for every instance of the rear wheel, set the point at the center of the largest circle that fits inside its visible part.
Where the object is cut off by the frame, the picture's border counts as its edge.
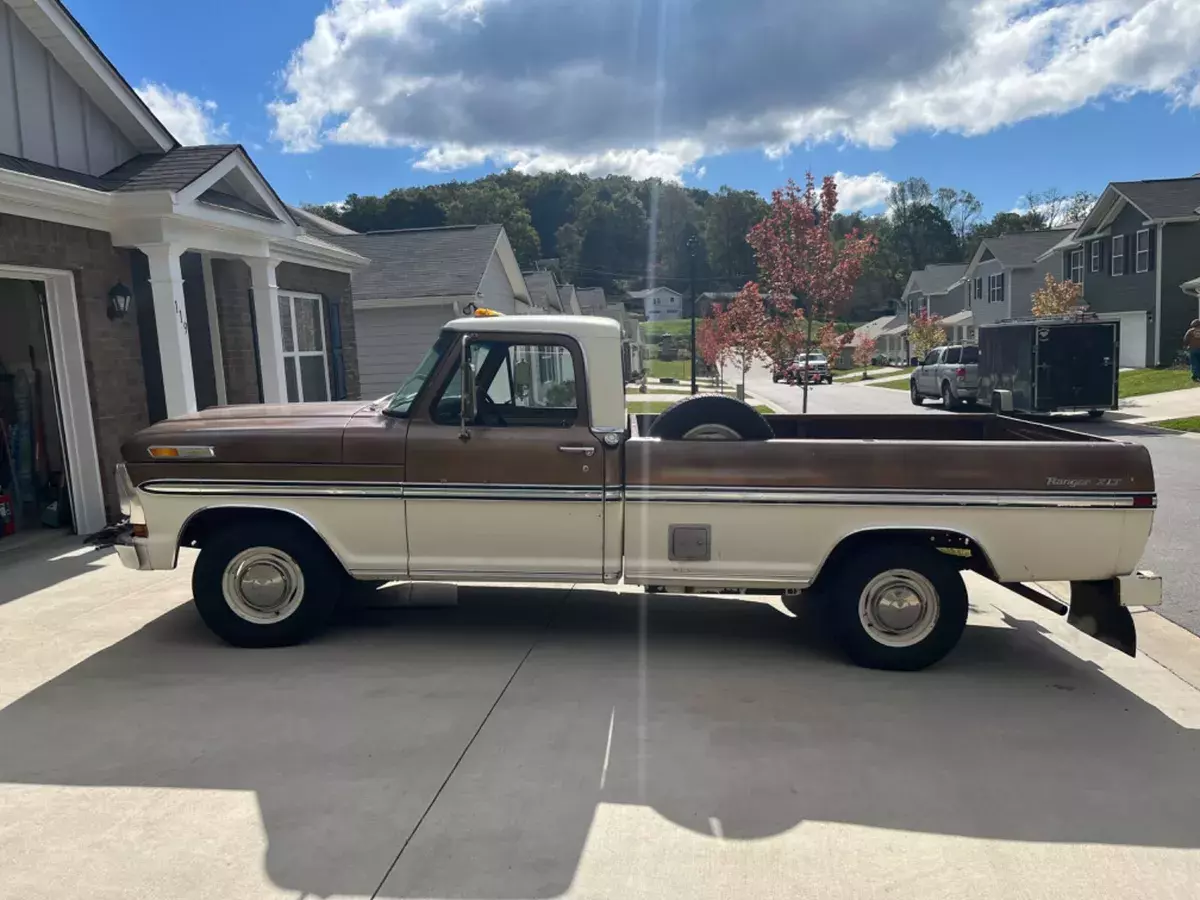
(1095, 413)
(266, 584)
(914, 395)
(897, 606)
(948, 401)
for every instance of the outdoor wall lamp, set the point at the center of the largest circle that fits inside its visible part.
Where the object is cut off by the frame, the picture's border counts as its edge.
(119, 298)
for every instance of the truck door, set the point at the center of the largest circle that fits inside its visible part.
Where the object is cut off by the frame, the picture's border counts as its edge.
(519, 489)
(927, 380)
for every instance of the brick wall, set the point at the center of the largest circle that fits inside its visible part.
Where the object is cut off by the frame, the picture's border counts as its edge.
(112, 349)
(290, 276)
(231, 283)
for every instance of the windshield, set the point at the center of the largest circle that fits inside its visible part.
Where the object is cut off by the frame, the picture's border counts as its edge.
(402, 400)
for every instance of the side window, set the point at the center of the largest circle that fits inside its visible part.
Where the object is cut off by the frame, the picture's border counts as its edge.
(932, 358)
(516, 384)
(953, 355)
(544, 378)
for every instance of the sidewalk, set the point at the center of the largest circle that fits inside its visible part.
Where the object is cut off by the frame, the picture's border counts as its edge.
(1150, 408)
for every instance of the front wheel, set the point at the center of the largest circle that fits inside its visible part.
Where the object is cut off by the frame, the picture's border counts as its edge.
(1095, 413)
(914, 395)
(897, 606)
(266, 584)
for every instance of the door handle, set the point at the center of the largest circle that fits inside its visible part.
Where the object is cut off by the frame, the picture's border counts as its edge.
(570, 448)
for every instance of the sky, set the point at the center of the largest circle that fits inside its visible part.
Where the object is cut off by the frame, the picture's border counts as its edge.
(998, 97)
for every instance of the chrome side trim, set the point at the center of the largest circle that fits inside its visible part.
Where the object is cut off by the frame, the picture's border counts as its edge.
(385, 490)
(818, 497)
(500, 492)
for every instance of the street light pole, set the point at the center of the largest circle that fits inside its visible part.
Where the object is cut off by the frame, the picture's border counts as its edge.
(691, 244)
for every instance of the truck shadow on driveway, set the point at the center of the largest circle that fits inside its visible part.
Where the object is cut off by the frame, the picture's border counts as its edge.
(722, 715)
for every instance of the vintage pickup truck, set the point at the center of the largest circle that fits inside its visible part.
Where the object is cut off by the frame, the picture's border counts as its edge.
(509, 457)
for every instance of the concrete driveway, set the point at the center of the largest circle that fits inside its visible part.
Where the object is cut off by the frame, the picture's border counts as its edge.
(550, 742)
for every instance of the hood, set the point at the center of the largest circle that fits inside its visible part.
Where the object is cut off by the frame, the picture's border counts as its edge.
(259, 432)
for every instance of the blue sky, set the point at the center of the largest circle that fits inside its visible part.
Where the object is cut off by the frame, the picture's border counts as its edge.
(995, 96)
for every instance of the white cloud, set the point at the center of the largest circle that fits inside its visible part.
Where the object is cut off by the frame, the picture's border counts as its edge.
(189, 119)
(658, 84)
(862, 192)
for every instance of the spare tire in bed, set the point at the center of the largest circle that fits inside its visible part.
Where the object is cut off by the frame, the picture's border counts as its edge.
(711, 417)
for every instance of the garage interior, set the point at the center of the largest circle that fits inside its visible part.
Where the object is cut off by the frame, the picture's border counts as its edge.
(33, 484)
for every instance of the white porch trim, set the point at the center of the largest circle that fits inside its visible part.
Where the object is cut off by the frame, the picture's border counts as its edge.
(73, 396)
(170, 322)
(214, 330)
(270, 332)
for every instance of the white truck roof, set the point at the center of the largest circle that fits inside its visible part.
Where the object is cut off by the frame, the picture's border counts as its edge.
(583, 326)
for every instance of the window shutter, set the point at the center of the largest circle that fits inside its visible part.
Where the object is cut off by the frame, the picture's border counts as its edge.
(1153, 245)
(337, 361)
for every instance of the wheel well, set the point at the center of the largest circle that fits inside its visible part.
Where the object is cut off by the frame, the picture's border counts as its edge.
(206, 522)
(960, 548)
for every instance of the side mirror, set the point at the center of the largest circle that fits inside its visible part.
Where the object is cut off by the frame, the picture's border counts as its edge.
(467, 387)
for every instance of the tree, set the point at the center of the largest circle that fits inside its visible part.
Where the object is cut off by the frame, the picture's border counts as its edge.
(962, 211)
(1056, 298)
(785, 339)
(486, 203)
(744, 327)
(864, 353)
(1058, 209)
(831, 341)
(796, 251)
(924, 333)
(728, 217)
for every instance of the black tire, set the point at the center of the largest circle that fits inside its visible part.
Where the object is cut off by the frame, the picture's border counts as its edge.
(324, 580)
(679, 420)
(913, 394)
(1095, 413)
(845, 589)
(948, 401)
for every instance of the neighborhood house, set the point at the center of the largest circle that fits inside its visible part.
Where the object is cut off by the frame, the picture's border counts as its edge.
(139, 279)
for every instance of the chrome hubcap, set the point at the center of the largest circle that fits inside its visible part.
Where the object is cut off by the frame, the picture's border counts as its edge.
(898, 608)
(263, 585)
(712, 432)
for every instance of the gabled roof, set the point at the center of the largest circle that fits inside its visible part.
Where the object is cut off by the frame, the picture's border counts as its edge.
(1165, 198)
(421, 262)
(871, 329)
(317, 224)
(591, 300)
(1015, 251)
(543, 290)
(171, 171)
(938, 278)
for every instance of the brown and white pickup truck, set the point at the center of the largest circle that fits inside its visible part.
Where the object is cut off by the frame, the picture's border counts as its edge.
(509, 457)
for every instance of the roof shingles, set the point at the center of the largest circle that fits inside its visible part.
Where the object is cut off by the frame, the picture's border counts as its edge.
(1168, 198)
(420, 262)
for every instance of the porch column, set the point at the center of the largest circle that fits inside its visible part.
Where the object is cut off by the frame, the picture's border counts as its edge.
(266, 319)
(214, 329)
(171, 325)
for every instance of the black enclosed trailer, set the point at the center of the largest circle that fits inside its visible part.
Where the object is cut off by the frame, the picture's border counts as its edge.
(1050, 364)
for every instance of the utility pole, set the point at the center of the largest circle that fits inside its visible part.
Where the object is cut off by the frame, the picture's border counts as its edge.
(692, 245)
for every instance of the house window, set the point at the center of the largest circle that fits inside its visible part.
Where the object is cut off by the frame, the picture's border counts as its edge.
(1141, 251)
(1118, 254)
(996, 288)
(305, 359)
(1077, 266)
(1097, 249)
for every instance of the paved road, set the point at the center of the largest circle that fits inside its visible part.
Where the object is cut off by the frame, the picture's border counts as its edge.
(551, 742)
(1174, 548)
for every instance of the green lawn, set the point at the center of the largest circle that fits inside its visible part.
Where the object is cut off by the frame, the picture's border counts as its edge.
(1153, 381)
(900, 384)
(651, 407)
(677, 368)
(1191, 423)
(856, 374)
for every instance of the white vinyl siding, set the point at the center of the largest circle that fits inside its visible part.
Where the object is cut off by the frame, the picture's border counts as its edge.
(1118, 255)
(392, 342)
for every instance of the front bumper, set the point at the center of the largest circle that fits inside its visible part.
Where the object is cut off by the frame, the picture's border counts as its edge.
(133, 552)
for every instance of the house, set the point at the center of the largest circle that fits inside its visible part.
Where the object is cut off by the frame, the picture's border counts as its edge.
(592, 302)
(872, 330)
(568, 299)
(660, 304)
(417, 281)
(544, 295)
(1134, 255)
(936, 290)
(138, 278)
(1002, 276)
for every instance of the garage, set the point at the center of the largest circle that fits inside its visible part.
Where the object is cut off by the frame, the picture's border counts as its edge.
(34, 495)
(1133, 339)
(393, 341)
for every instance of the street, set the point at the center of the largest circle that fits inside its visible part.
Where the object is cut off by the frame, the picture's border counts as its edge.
(558, 742)
(1172, 548)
